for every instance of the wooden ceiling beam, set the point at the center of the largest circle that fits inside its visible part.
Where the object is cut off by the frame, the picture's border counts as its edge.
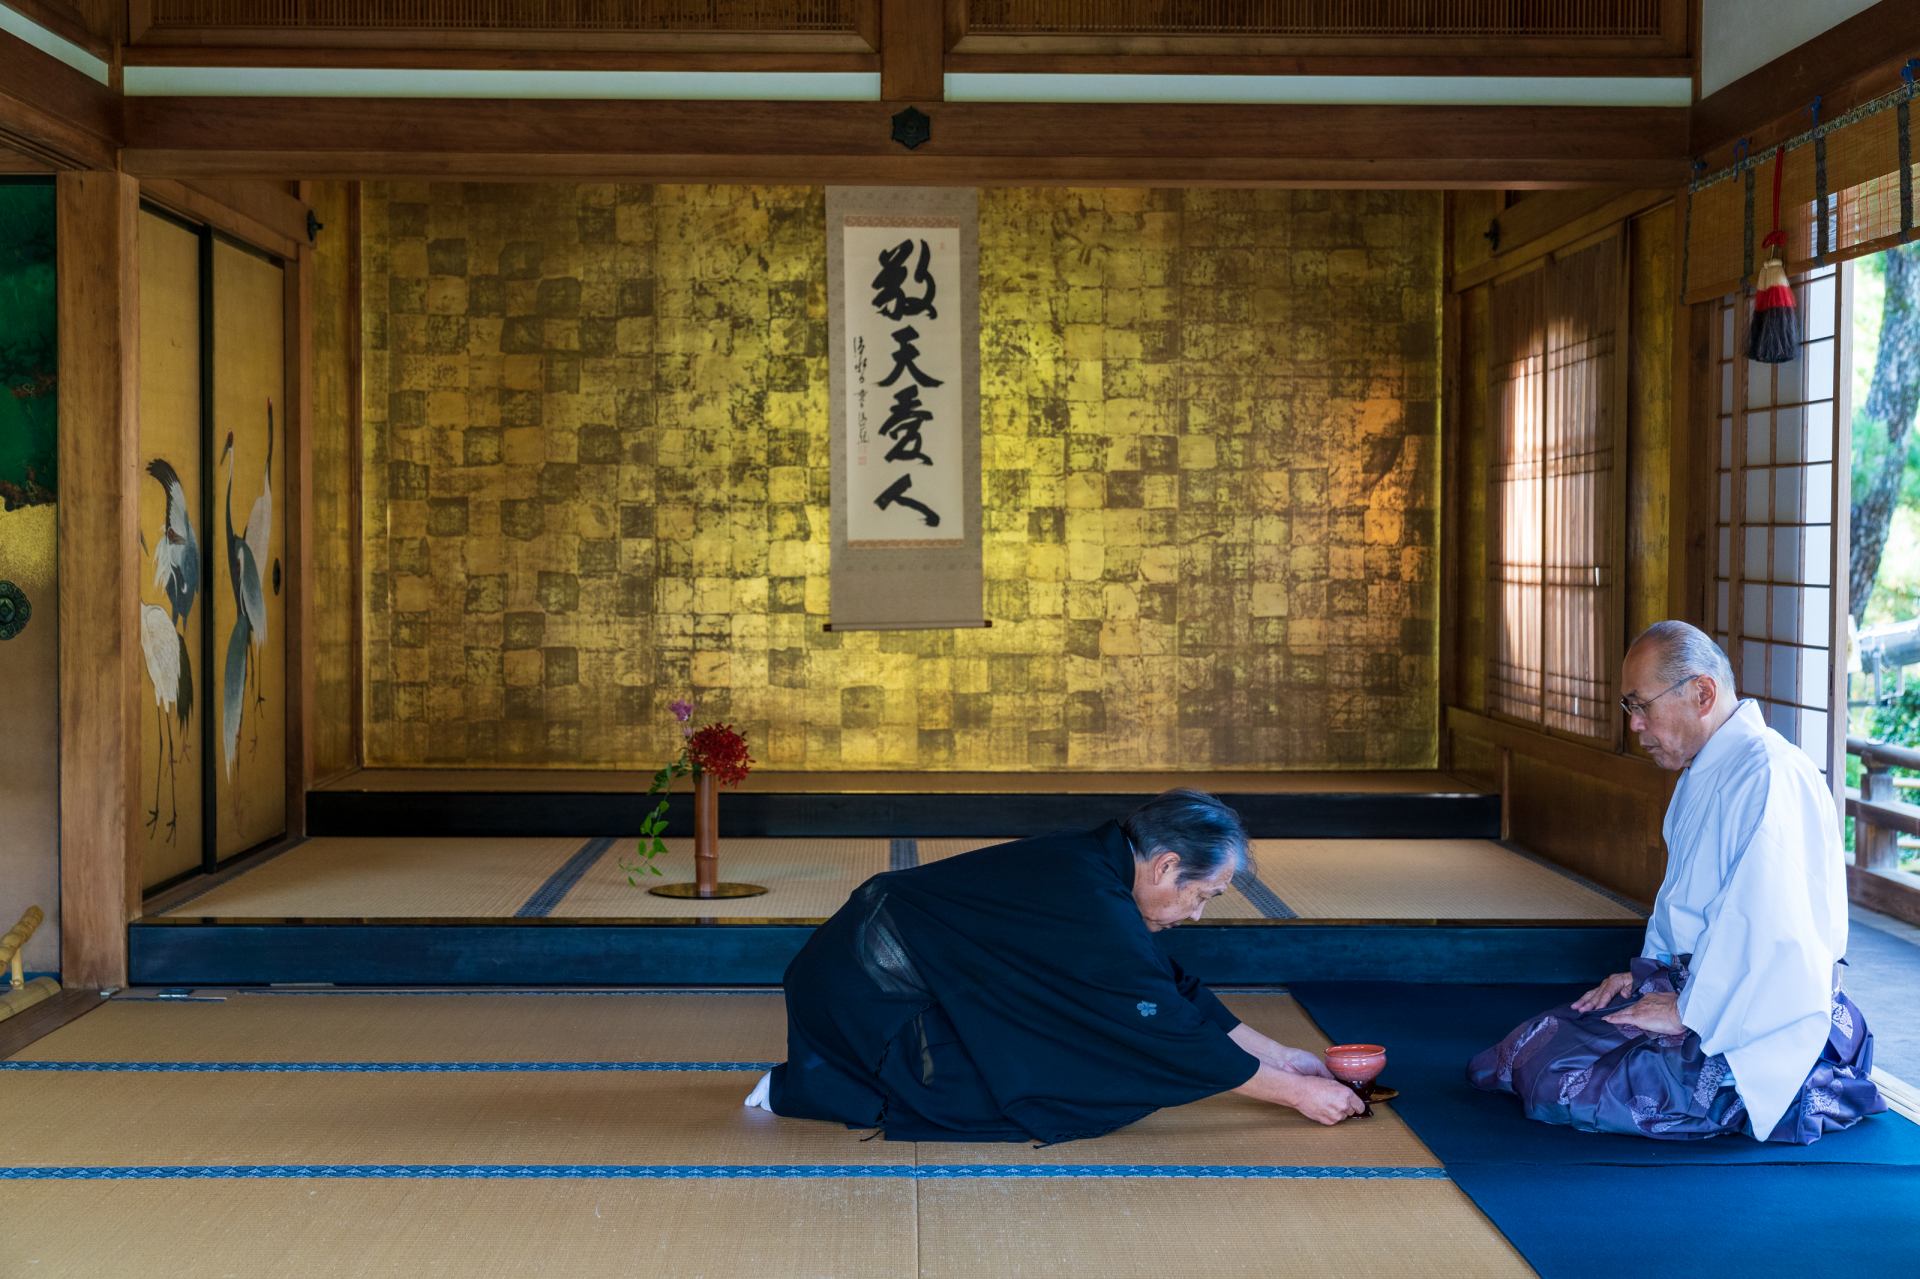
(454, 58)
(52, 113)
(1242, 62)
(971, 143)
(94, 25)
(1846, 65)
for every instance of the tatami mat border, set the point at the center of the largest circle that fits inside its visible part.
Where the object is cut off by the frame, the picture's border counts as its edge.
(903, 854)
(561, 882)
(726, 1172)
(355, 992)
(1264, 899)
(378, 1067)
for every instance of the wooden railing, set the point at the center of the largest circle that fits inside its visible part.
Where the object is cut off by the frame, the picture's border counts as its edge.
(1880, 818)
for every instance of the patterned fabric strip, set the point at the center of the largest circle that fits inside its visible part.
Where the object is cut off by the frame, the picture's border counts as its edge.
(665, 1172)
(377, 1067)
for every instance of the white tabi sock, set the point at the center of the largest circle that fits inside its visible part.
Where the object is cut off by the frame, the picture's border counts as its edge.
(758, 1097)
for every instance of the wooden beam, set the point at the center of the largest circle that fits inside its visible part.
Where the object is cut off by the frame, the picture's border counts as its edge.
(261, 213)
(972, 56)
(52, 113)
(912, 51)
(521, 48)
(851, 142)
(94, 25)
(1553, 221)
(1627, 771)
(463, 58)
(1847, 64)
(97, 232)
(1890, 892)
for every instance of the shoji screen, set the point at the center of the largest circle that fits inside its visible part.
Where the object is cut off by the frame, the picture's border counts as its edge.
(1780, 510)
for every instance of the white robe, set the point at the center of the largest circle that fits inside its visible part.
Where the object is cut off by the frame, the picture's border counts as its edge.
(1756, 893)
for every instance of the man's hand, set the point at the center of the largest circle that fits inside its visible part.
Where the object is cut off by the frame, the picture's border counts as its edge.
(1606, 992)
(1326, 1101)
(1656, 1014)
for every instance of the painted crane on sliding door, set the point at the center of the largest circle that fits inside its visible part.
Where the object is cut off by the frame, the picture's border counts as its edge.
(176, 570)
(246, 551)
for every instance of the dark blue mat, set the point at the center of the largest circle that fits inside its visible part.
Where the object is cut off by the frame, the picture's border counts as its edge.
(1430, 1032)
(1807, 1219)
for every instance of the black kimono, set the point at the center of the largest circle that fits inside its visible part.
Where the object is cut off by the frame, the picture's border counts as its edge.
(1007, 994)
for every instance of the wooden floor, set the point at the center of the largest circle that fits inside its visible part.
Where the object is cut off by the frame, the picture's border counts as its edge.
(602, 1133)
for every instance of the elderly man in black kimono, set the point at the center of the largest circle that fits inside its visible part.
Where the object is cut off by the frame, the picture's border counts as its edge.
(1016, 993)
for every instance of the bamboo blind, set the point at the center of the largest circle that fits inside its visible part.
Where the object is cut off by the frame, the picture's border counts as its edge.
(1861, 154)
(1554, 387)
(1778, 556)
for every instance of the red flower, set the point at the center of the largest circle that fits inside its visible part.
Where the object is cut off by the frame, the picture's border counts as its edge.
(719, 750)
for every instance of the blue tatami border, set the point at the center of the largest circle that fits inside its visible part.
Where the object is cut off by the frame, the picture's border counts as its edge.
(719, 1172)
(377, 1067)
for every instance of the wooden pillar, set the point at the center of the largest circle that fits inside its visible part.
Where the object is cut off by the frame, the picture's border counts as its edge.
(301, 762)
(99, 333)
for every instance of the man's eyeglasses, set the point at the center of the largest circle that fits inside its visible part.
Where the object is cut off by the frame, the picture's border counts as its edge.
(1636, 709)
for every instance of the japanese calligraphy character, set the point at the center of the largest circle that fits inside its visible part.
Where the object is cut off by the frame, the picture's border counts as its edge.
(896, 492)
(889, 298)
(903, 426)
(904, 355)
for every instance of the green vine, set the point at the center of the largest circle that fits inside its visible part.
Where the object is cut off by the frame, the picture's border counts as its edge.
(654, 825)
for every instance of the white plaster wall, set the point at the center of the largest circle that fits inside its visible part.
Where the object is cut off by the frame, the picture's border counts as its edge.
(1738, 36)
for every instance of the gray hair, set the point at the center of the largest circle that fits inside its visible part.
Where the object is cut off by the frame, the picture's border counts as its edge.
(1685, 651)
(1205, 833)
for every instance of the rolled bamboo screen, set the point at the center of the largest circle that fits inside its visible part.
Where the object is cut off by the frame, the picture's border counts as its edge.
(1861, 155)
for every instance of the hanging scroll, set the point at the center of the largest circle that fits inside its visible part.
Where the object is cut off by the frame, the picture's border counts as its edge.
(903, 305)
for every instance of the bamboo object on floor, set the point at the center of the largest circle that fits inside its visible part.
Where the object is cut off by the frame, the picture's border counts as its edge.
(22, 994)
(706, 849)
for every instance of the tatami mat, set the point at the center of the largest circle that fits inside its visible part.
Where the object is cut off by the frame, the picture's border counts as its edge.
(806, 879)
(1422, 879)
(258, 1027)
(811, 878)
(77, 1119)
(1421, 1229)
(400, 1229)
(334, 878)
(482, 1173)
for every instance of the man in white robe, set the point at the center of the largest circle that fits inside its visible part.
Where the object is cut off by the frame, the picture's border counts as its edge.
(1732, 1018)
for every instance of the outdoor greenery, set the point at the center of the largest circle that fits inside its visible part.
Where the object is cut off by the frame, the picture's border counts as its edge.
(1885, 454)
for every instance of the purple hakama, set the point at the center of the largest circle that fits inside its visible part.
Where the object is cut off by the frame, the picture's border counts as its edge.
(1581, 1070)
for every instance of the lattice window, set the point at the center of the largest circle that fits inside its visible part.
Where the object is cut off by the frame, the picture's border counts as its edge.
(1553, 506)
(1779, 587)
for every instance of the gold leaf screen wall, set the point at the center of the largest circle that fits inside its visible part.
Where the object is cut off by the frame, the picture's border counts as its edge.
(178, 687)
(595, 479)
(249, 613)
(331, 422)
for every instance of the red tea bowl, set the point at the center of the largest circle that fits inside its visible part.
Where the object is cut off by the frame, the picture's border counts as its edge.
(1356, 1063)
